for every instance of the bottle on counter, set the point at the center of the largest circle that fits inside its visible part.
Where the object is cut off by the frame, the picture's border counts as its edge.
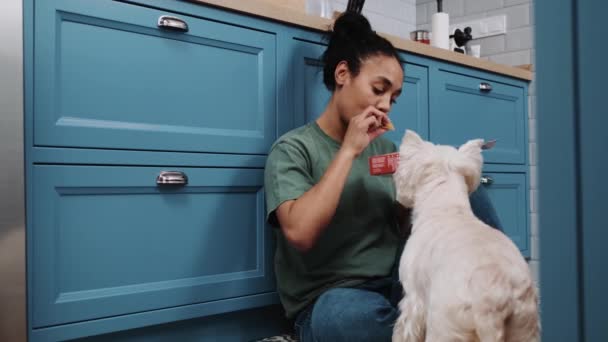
(421, 36)
(440, 26)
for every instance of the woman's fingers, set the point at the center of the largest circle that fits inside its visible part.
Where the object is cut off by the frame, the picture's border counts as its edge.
(383, 120)
(371, 123)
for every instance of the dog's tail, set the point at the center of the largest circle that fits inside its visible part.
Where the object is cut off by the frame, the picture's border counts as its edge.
(493, 302)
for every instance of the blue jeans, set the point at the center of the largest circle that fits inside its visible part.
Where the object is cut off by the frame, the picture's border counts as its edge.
(367, 312)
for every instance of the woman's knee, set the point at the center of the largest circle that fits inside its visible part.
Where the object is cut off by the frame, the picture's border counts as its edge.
(348, 314)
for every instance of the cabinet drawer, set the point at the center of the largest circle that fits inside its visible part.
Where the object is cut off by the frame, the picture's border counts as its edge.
(461, 110)
(108, 77)
(109, 241)
(507, 192)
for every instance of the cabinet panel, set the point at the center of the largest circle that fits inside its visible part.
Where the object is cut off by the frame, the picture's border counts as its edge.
(107, 76)
(310, 96)
(109, 241)
(464, 107)
(507, 191)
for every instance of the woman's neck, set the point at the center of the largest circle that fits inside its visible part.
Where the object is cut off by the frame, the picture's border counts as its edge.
(330, 122)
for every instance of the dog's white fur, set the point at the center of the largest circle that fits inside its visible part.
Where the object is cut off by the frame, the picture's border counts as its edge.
(463, 280)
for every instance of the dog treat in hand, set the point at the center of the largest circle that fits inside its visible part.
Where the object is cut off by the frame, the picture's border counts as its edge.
(383, 164)
(388, 126)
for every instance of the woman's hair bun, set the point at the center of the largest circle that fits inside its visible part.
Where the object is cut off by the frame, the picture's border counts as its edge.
(352, 40)
(352, 25)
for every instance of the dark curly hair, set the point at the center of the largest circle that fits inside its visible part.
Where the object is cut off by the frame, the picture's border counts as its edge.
(352, 40)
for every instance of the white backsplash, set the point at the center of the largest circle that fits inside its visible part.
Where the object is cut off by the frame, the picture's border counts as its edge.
(395, 17)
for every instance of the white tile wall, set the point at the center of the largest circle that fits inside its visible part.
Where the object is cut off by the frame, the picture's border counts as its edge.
(395, 17)
(519, 40)
(518, 57)
(517, 16)
(480, 6)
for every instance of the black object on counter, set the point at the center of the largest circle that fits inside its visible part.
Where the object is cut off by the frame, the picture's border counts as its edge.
(461, 38)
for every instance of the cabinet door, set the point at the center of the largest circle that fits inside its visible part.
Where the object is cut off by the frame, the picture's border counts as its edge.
(465, 107)
(108, 241)
(108, 76)
(507, 191)
(412, 108)
(311, 96)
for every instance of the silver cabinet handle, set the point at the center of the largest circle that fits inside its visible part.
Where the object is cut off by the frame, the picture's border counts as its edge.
(487, 180)
(172, 23)
(171, 178)
(485, 87)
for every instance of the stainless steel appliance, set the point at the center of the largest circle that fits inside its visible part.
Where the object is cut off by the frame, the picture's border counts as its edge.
(12, 194)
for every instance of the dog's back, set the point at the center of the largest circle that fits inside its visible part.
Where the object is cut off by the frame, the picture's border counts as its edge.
(464, 281)
(479, 288)
(504, 307)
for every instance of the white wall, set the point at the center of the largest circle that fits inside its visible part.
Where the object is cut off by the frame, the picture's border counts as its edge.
(395, 17)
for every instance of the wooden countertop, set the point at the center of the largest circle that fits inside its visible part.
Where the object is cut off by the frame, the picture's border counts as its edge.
(266, 9)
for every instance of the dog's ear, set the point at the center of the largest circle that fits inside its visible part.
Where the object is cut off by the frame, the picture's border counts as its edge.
(488, 144)
(411, 139)
(472, 147)
(404, 177)
(471, 162)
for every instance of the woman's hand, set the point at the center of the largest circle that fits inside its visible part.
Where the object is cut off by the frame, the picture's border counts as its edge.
(363, 128)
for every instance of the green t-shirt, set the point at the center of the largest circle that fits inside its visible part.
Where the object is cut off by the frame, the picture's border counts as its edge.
(361, 240)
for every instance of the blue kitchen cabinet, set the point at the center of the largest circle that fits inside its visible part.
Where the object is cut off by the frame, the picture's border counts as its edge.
(113, 98)
(311, 96)
(109, 240)
(483, 105)
(465, 107)
(108, 249)
(109, 76)
(507, 191)
(411, 111)
(241, 325)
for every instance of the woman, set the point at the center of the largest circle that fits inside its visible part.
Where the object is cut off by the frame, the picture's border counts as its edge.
(337, 232)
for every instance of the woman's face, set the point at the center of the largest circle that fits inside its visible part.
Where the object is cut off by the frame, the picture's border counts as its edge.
(378, 84)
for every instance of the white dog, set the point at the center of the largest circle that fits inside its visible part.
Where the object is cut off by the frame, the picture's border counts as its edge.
(463, 280)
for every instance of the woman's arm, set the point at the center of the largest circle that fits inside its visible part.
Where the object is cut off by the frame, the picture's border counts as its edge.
(302, 220)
